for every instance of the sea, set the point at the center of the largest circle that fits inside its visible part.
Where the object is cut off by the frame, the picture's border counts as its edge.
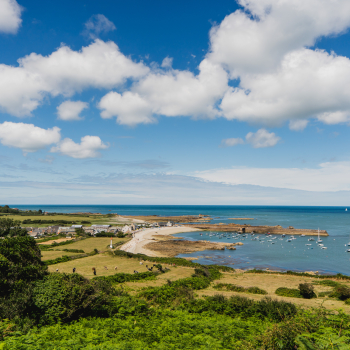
(264, 253)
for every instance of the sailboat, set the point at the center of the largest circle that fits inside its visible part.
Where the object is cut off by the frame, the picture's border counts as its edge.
(319, 240)
(346, 209)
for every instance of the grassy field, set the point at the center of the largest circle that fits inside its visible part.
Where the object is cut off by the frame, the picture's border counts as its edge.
(268, 282)
(94, 219)
(89, 244)
(54, 254)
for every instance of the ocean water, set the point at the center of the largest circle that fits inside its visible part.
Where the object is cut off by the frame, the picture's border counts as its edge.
(282, 255)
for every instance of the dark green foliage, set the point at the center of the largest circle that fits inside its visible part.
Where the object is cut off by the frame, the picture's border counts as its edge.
(20, 261)
(104, 234)
(307, 290)
(234, 288)
(73, 250)
(324, 294)
(20, 267)
(128, 277)
(328, 283)
(288, 292)
(11, 228)
(48, 222)
(341, 293)
(66, 297)
(121, 235)
(7, 209)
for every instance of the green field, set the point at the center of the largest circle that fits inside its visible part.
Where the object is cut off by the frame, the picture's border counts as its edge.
(77, 219)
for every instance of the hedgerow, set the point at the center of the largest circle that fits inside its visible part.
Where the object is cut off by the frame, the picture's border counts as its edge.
(288, 292)
(234, 288)
(128, 277)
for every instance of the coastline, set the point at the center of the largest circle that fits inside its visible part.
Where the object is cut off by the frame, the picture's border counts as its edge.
(141, 238)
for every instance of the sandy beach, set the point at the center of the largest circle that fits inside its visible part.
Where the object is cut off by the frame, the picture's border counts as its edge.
(143, 237)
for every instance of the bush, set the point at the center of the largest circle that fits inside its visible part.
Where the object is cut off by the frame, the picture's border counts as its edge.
(128, 277)
(288, 292)
(234, 288)
(341, 293)
(307, 290)
(103, 234)
(66, 297)
(328, 283)
(120, 235)
(73, 250)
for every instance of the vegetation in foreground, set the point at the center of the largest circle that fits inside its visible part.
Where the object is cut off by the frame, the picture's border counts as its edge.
(41, 310)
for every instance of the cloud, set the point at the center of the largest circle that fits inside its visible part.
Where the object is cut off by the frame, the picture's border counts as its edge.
(307, 84)
(64, 72)
(231, 142)
(27, 137)
(10, 16)
(256, 39)
(70, 110)
(329, 176)
(170, 93)
(147, 164)
(87, 148)
(98, 24)
(298, 125)
(129, 108)
(262, 138)
(167, 62)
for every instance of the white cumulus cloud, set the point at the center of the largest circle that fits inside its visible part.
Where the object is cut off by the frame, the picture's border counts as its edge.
(89, 147)
(298, 125)
(129, 108)
(262, 138)
(170, 93)
(65, 71)
(10, 16)
(307, 84)
(27, 137)
(256, 39)
(70, 110)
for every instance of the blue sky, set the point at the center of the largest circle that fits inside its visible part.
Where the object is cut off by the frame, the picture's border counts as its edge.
(177, 102)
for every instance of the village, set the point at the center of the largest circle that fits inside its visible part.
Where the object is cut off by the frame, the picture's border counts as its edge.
(93, 230)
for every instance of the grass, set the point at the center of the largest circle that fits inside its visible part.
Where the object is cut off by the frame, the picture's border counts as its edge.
(94, 219)
(89, 244)
(54, 254)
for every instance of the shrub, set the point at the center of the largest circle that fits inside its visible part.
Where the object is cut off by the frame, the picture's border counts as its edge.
(234, 288)
(73, 250)
(120, 235)
(66, 297)
(288, 292)
(328, 283)
(128, 277)
(324, 294)
(341, 293)
(307, 290)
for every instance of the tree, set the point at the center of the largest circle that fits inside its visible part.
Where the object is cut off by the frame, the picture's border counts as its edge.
(9, 227)
(20, 268)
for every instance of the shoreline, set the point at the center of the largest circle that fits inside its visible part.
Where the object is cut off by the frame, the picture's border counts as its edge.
(141, 238)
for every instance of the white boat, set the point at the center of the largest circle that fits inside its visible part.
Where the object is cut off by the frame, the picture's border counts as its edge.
(348, 250)
(311, 239)
(308, 244)
(346, 209)
(324, 248)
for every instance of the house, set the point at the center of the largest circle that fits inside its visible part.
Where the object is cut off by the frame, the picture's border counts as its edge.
(77, 226)
(162, 224)
(66, 230)
(170, 223)
(53, 229)
(126, 229)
